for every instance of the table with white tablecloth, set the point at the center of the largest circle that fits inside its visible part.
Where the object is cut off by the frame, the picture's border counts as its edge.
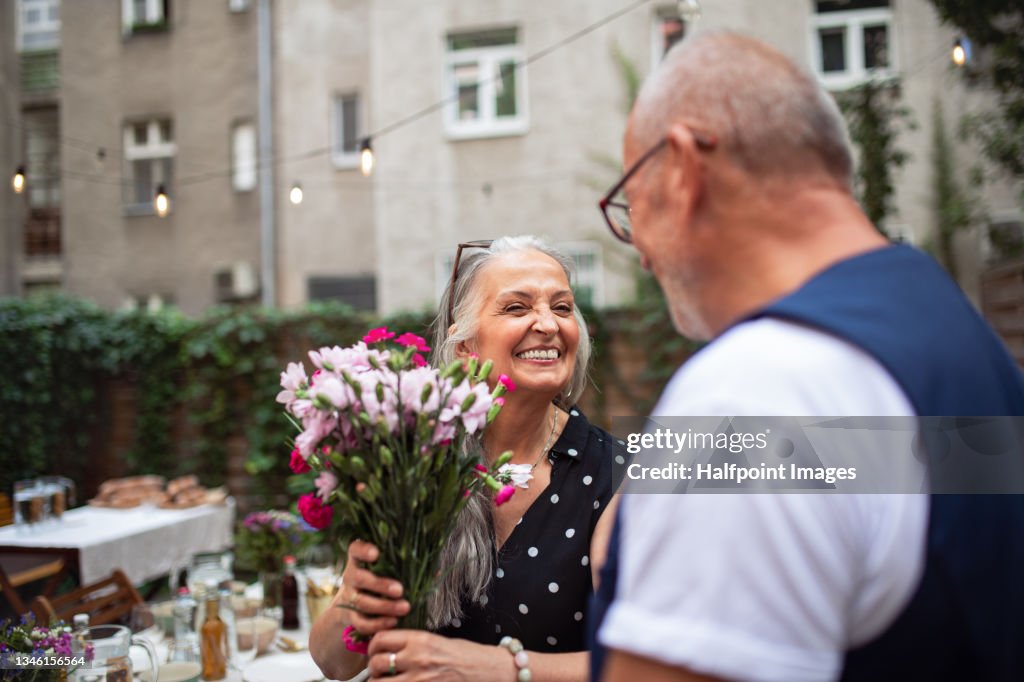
(145, 542)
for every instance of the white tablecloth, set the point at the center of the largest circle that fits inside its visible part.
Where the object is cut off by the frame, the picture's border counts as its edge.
(145, 542)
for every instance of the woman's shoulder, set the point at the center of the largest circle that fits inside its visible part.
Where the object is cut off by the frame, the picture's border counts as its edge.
(595, 451)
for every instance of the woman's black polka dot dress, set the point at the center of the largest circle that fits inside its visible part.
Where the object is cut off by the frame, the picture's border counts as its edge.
(542, 582)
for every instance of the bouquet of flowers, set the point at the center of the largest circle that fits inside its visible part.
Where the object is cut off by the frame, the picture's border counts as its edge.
(264, 538)
(385, 434)
(25, 648)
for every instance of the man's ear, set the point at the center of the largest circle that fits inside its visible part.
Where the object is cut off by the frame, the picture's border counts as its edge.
(685, 176)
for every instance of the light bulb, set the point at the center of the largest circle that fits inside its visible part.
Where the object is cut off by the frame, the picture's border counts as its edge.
(161, 203)
(689, 10)
(295, 195)
(366, 157)
(959, 54)
(18, 180)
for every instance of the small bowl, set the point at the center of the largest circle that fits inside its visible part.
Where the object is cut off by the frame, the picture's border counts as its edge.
(245, 607)
(265, 630)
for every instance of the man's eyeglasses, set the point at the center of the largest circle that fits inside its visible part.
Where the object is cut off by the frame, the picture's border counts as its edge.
(477, 244)
(614, 206)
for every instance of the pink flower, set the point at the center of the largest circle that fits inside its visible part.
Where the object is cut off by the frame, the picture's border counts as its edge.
(325, 484)
(414, 383)
(378, 334)
(503, 496)
(358, 646)
(317, 427)
(507, 382)
(339, 394)
(409, 339)
(500, 402)
(418, 360)
(292, 379)
(315, 512)
(480, 467)
(298, 463)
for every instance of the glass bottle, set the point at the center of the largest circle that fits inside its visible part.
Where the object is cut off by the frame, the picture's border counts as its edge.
(289, 596)
(214, 643)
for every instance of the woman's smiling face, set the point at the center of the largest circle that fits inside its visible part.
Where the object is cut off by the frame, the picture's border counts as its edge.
(525, 322)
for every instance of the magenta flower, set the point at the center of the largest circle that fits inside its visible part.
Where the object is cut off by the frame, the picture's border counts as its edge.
(352, 644)
(298, 463)
(504, 495)
(410, 340)
(507, 382)
(314, 511)
(418, 360)
(378, 334)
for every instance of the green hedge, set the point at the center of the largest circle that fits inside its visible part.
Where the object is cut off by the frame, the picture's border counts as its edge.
(220, 371)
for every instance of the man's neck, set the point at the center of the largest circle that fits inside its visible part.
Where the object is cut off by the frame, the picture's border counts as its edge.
(777, 245)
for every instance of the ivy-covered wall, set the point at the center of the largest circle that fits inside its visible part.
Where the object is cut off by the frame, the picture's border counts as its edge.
(92, 394)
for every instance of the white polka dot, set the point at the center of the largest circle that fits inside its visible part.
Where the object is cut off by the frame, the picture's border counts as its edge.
(457, 623)
(597, 503)
(570, 532)
(621, 442)
(552, 587)
(573, 452)
(483, 600)
(497, 628)
(585, 561)
(552, 641)
(578, 616)
(500, 573)
(532, 551)
(554, 499)
(620, 459)
(519, 521)
(587, 480)
(523, 609)
(575, 413)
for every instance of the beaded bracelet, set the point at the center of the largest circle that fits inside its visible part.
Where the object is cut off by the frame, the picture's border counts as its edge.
(519, 657)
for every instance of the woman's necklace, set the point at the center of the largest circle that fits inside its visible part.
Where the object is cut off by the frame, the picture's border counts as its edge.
(520, 475)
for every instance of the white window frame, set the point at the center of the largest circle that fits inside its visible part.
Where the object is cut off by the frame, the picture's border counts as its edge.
(488, 60)
(154, 149)
(154, 15)
(853, 23)
(243, 156)
(44, 27)
(340, 158)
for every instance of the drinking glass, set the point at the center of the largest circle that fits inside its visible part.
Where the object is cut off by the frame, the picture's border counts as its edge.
(246, 642)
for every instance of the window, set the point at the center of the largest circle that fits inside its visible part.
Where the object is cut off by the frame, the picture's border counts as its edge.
(144, 16)
(345, 131)
(852, 40)
(149, 162)
(38, 25)
(486, 89)
(42, 153)
(359, 292)
(243, 157)
(668, 29)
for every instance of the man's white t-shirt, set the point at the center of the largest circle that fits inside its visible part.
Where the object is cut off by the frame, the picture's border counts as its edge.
(763, 586)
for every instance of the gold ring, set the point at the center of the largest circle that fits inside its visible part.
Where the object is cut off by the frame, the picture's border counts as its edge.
(392, 664)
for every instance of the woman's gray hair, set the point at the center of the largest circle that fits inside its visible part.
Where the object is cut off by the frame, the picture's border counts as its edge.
(469, 558)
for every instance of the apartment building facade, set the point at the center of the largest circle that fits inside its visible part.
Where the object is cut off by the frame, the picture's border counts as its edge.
(467, 145)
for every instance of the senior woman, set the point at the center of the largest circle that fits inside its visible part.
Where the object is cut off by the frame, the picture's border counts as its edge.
(525, 569)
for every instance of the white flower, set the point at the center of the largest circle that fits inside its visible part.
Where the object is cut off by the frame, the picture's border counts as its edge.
(518, 475)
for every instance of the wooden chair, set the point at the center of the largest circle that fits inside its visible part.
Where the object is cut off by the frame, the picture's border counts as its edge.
(22, 568)
(106, 601)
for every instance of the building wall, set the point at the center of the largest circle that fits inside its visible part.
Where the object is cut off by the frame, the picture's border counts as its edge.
(202, 74)
(321, 49)
(11, 204)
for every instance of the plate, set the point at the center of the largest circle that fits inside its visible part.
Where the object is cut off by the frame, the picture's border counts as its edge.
(283, 668)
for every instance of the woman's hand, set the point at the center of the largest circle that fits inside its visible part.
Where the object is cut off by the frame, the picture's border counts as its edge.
(420, 656)
(374, 603)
